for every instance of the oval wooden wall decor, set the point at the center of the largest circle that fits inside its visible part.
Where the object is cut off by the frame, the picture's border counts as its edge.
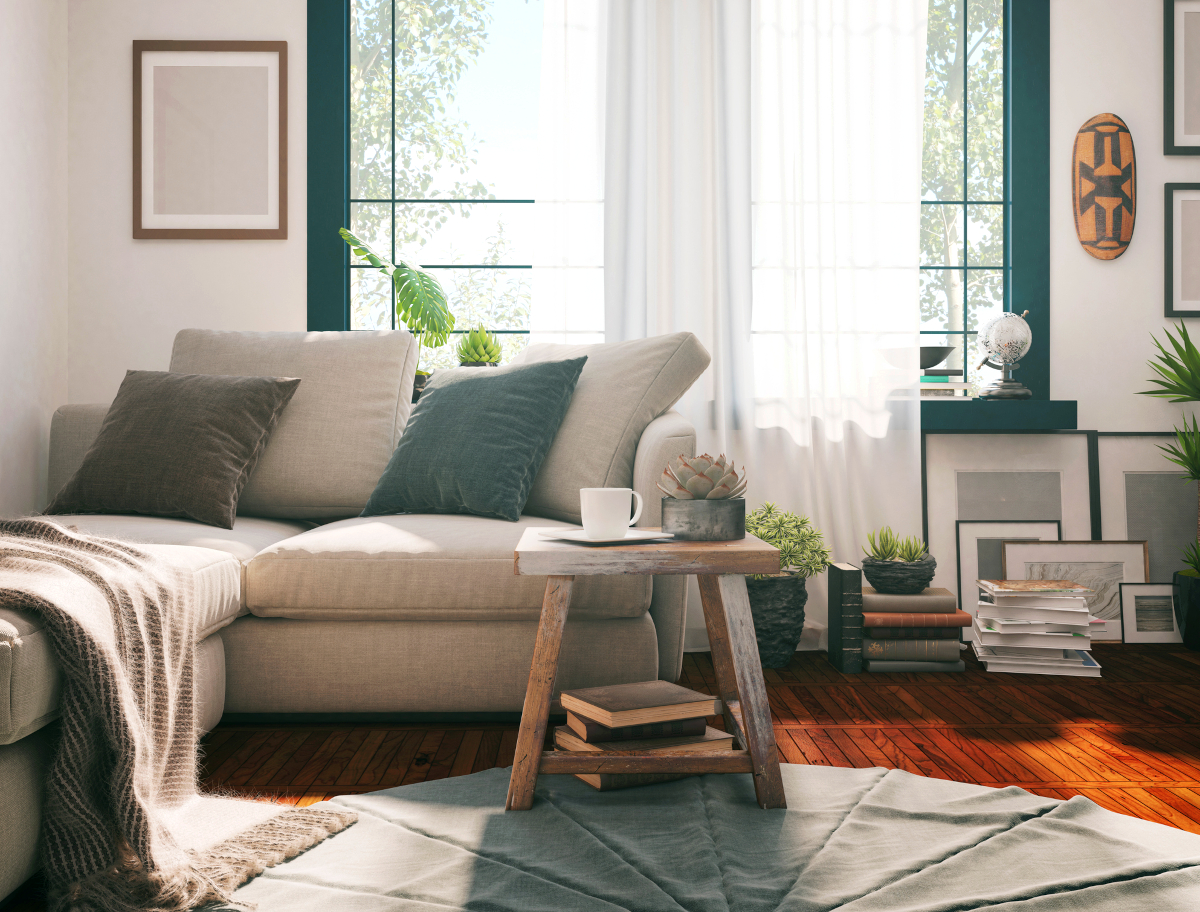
(1104, 186)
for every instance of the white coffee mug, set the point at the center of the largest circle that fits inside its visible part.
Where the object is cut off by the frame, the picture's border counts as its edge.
(606, 512)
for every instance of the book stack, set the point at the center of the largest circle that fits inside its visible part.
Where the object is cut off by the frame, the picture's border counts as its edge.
(944, 382)
(912, 632)
(1034, 627)
(648, 716)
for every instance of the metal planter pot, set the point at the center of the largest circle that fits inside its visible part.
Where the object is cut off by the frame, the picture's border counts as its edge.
(777, 604)
(705, 520)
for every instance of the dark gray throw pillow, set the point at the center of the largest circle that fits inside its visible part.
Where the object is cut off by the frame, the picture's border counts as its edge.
(177, 445)
(476, 439)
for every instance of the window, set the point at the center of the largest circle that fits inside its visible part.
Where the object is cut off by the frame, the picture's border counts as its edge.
(442, 152)
(965, 259)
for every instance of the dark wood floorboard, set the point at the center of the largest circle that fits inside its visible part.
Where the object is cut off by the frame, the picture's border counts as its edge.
(1130, 741)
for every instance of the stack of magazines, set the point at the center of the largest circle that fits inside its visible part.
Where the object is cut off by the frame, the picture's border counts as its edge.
(1034, 627)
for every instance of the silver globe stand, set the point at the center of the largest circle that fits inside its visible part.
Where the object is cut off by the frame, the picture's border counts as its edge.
(1006, 387)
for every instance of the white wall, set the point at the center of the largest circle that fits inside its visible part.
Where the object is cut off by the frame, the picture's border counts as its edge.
(128, 298)
(1106, 57)
(33, 242)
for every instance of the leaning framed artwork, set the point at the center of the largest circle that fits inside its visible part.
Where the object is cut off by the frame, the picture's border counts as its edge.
(210, 139)
(1148, 613)
(1099, 565)
(1181, 250)
(979, 550)
(1181, 77)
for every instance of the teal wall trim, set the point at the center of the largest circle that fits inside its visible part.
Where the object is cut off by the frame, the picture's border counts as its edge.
(328, 110)
(1027, 47)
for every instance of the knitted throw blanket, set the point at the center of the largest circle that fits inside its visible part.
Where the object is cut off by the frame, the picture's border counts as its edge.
(124, 827)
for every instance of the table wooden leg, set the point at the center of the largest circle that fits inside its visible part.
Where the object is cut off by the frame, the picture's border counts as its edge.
(536, 712)
(740, 678)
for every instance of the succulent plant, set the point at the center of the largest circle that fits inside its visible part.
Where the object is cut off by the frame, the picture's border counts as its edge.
(886, 545)
(479, 347)
(701, 478)
(801, 545)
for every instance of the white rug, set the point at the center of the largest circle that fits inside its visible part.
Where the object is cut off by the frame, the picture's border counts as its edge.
(855, 840)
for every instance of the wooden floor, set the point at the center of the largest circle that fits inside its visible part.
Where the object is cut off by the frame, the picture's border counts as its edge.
(1130, 741)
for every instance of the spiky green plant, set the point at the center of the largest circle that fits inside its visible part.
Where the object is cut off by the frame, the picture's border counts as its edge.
(1191, 557)
(911, 549)
(479, 347)
(883, 544)
(1185, 453)
(801, 545)
(1179, 371)
(419, 299)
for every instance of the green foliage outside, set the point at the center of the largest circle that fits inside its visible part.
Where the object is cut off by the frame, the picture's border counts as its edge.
(801, 545)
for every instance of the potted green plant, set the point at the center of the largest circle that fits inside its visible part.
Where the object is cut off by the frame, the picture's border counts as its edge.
(897, 566)
(703, 499)
(777, 601)
(1178, 380)
(479, 348)
(419, 300)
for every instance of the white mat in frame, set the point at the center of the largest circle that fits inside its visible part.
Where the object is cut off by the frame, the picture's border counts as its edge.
(1148, 613)
(980, 554)
(1100, 565)
(948, 455)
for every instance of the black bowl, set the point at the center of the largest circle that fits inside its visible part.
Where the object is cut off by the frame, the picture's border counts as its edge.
(933, 355)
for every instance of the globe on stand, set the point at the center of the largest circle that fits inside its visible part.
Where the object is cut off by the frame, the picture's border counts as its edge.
(1006, 339)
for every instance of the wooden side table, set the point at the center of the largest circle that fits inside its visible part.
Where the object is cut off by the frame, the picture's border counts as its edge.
(721, 568)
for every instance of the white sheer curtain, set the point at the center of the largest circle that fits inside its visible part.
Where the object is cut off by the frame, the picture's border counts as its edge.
(762, 190)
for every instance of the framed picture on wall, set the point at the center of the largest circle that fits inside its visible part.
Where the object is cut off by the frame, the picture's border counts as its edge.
(1181, 250)
(979, 550)
(1099, 565)
(1181, 77)
(1148, 613)
(210, 139)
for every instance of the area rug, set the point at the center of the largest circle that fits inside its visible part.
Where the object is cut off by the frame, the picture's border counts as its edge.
(867, 840)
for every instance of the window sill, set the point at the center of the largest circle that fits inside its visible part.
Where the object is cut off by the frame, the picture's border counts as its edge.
(1000, 415)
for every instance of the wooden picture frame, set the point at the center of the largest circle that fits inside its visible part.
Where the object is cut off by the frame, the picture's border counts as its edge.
(1181, 78)
(210, 139)
(1181, 273)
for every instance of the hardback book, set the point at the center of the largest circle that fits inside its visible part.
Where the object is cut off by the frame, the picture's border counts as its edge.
(991, 636)
(916, 619)
(911, 650)
(882, 666)
(607, 782)
(931, 601)
(942, 372)
(1076, 615)
(595, 733)
(618, 705)
(711, 739)
(913, 633)
(845, 617)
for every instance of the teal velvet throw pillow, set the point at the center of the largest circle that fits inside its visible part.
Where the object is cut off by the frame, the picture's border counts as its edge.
(476, 439)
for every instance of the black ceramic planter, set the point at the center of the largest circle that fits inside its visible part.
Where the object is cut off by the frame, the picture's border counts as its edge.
(1187, 608)
(419, 382)
(777, 604)
(899, 577)
(705, 520)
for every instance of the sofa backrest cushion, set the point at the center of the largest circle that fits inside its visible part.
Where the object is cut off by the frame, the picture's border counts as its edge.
(334, 439)
(623, 387)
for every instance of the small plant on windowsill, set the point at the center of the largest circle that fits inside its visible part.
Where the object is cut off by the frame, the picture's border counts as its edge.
(897, 566)
(419, 300)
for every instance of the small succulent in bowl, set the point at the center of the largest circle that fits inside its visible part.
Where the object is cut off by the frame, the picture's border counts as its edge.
(895, 565)
(478, 348)
(701, 478)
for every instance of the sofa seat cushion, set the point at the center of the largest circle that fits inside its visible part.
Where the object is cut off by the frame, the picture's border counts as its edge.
(420, 567)
(30, 681)
(248, 536)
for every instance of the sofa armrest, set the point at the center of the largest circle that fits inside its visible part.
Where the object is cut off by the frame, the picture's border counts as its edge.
(665, 437)
(72, 430)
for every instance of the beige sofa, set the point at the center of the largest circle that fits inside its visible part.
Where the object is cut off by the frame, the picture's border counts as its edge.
(315, 610)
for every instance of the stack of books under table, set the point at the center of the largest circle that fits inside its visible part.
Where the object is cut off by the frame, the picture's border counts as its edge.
(912, 632)
(648, 716)
(1034, 627)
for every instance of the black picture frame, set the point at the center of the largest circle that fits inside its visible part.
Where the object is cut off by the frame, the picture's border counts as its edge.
(1170, 147)
(958, 562)
(1169, 191)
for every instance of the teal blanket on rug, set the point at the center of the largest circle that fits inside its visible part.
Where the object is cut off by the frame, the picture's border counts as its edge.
(867, 840)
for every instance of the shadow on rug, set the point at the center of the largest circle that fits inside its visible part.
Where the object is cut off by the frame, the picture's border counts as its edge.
(868, 840)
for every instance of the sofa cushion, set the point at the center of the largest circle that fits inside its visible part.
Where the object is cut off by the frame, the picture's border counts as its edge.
(334, 439)
(624, 386)
(476, 440)
(177, 445)
(30, 681)
(420, 567)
